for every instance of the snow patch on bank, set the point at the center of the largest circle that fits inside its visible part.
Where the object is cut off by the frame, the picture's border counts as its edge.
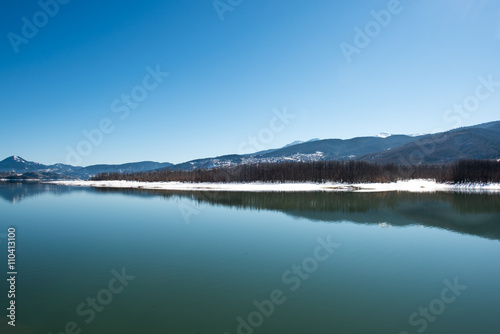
(410, 186)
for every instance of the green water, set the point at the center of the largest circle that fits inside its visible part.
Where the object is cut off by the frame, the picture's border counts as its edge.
(200, 262)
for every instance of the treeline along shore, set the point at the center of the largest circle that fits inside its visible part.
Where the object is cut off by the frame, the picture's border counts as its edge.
(465, 171)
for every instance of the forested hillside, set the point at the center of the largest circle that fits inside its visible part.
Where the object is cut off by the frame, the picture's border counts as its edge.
(323, 171)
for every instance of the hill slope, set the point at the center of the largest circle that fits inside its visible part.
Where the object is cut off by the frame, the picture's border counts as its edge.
(476, 142)
(16, 167)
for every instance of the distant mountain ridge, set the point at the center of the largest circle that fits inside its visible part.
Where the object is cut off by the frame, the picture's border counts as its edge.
(475, 142)
(16, 166)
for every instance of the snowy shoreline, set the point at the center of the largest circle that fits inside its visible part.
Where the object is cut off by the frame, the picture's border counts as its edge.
(408, 186)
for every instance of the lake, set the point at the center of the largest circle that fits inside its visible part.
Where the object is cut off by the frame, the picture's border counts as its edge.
(135, 261)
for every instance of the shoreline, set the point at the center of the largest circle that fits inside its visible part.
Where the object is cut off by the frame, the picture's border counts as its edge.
(417, 185)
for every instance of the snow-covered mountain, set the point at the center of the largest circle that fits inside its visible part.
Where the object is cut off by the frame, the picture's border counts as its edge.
(475, 142)
(297, 142)
(15, 166)
(18, 164)
(312, 150)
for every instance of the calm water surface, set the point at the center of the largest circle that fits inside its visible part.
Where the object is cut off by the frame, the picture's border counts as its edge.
(218, 262)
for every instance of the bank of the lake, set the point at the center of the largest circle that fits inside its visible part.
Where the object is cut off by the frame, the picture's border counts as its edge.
(409, 185)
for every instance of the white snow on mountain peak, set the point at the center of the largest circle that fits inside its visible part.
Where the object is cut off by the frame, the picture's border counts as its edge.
(297, 142)
(384, 135)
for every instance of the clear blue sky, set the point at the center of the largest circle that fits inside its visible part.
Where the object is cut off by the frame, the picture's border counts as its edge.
(226, 77)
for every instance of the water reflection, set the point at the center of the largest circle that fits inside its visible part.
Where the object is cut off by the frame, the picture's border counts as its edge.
(470, 213)
(14, 192)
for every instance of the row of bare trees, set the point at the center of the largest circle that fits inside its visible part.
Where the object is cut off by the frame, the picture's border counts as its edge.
(323, 171)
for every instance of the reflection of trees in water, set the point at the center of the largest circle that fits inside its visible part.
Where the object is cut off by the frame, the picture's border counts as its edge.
(477, 204)
(466, 203)
(14, 192)
(472, 213)
(348, 202)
